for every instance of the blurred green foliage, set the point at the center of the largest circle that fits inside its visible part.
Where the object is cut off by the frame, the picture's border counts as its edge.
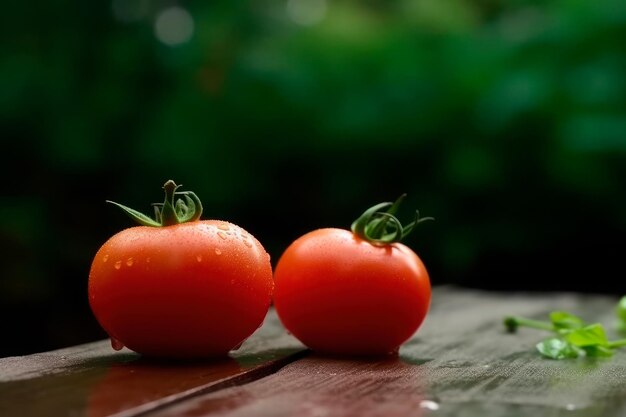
(504, 120)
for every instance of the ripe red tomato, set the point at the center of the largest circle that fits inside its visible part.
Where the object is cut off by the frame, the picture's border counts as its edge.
(191, 289)
(353, 293)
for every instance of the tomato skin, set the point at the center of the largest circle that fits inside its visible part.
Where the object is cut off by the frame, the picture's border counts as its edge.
(192, 290)
(340, 294)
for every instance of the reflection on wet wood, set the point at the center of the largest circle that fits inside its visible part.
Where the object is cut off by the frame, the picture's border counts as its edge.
(319, 386)
(461, 363)
(93, 380)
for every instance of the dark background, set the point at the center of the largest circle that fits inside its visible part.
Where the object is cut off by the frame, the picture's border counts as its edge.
(504, 120)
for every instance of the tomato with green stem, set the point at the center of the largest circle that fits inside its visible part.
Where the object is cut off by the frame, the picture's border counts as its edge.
(358, 292)
(178, 286)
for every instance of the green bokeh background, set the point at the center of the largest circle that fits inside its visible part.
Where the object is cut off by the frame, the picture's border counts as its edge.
(504, 120)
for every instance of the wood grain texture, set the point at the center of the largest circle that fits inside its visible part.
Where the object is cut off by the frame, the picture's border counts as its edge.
(93, 380)
(461, 363)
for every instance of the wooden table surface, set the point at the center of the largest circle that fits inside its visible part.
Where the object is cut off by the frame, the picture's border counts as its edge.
(460, 363)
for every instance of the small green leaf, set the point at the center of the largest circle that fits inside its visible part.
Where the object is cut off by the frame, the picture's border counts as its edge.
(557, 348)
(592, 335)
(596, 351)
(563, 320)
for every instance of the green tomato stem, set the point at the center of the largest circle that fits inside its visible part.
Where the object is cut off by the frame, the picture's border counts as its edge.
(168, 213)
(172, 211)
(383, 227)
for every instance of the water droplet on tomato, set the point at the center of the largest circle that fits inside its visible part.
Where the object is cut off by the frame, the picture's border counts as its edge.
(199, 258)
(147, 260)
(218, 252)
(222, 235)
(105, 258)
(247, 243)
(223, 227)
(118, 264)
(116, 344)
(130, 261)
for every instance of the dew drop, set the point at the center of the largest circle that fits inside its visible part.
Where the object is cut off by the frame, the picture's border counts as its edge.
(147, 260)
(105, 258)
(129, 261)
(218, 252)
(116, 344)
(118, 264)
(222, 235)
(199, 258)
(223, 227)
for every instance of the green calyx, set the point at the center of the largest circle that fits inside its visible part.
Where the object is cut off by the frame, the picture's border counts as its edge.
(383, 227)
(172, 211)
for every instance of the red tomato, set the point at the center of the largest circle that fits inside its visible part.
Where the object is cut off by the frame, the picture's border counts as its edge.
(352, 293)
(185, 290)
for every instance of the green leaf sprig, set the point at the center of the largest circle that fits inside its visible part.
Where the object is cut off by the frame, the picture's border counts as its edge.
(573, 337)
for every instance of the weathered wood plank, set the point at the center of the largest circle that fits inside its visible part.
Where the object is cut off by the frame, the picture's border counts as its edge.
(93, 380)
(461, 363)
